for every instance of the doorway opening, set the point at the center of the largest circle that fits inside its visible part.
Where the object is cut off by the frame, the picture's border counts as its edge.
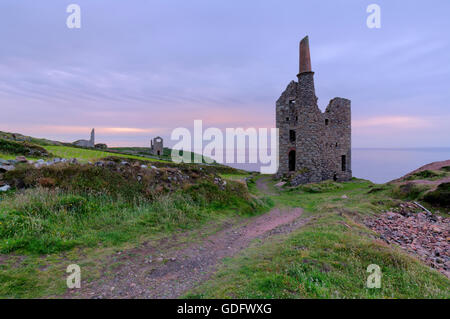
(292, 161)
(343, 163)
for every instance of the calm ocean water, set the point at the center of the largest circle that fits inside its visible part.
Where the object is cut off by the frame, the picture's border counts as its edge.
(381, 165)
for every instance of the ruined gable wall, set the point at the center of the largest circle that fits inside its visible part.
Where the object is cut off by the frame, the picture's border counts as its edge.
(285, 109)
(338, 136)
(309, 129)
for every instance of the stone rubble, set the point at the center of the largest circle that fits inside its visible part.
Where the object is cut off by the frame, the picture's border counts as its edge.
(420, 233)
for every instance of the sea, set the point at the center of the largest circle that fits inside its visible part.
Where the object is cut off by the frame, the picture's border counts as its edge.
(381, 165)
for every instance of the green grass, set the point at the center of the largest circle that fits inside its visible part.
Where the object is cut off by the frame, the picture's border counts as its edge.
(86, 155)
(21, 148)
(410, 191)
(69, 228)
(324, 260)
(40, 220)
(29, 139)
(7, 156)
(235, 177)
(440, 196)
(327, 258)
(166, 155)
(428, 175)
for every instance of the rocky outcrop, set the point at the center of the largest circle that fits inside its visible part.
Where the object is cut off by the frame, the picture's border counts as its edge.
(22, 148)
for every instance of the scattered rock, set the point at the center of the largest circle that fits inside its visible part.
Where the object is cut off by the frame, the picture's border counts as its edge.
(21, 159)
(421, 233)
(99, 163)
(5, 188)
(6, 168)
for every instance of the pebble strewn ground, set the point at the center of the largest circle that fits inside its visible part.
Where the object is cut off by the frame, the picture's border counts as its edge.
(423, 234)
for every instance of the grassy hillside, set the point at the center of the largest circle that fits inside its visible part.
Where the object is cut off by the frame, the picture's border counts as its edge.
(328, 258)
(29, 139)
(79, 212)
(145, 151)
(85, 155)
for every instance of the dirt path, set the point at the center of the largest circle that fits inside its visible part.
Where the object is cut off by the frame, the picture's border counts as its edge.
(145, 273)
(263, 186)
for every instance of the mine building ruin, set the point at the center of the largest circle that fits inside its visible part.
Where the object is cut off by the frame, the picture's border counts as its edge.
(313, 146)
(156, 146)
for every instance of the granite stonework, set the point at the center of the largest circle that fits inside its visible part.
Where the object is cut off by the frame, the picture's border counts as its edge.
(86, 143)
(156, 146)
(313, 146)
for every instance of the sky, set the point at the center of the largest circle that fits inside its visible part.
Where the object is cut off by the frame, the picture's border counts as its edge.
(140, 68)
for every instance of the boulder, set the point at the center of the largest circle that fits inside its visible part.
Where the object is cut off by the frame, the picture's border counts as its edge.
(6, 168)
(21, 159)
(5, 188)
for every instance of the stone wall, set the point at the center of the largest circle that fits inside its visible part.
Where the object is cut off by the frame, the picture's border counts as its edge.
(156, 146)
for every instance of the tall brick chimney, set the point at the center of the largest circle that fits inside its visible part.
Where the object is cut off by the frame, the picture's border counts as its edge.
(305, 58)
(306, 94)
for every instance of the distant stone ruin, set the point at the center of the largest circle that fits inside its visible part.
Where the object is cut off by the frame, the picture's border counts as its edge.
(101, 146)
(156, 146)
(313, 146)
(86, 143)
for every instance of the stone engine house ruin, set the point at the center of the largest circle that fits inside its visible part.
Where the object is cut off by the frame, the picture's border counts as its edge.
(313, 146)
(87, 143)
(156, 146)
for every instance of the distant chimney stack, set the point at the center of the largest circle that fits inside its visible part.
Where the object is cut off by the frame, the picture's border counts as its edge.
(305, 58)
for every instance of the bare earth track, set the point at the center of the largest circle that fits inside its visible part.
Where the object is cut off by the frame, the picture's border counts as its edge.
(179, 269)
